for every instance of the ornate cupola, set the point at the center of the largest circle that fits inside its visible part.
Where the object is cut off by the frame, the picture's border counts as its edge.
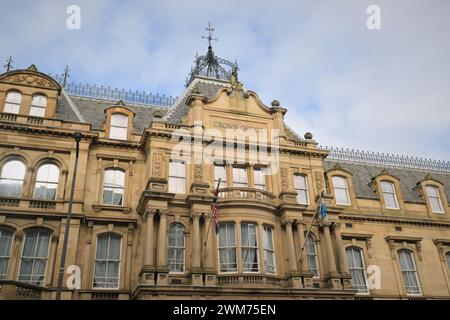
(209, 65)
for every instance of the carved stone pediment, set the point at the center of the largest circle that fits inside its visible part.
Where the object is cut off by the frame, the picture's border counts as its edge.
(30, 80)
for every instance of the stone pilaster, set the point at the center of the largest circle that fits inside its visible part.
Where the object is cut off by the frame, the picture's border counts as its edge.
(294, 276)
(148, 266)
(162, 268)
(196, 270)
(333, 278)
(342, 257)
(208, 253)
(304, 267)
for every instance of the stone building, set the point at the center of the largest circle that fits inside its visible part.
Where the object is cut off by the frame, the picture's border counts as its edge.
(141, 224)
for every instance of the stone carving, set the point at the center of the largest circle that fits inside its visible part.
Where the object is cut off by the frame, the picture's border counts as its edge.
(157, 165)
(30, 80)
(319, 181)
(284, 178)
(198, 173)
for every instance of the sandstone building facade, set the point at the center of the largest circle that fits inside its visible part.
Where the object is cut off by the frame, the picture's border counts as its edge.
(141, 225)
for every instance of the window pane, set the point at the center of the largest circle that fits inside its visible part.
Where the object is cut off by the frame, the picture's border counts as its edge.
(13, 97)
(220, 172)
(176, 248)
(434, 198)
(311, 254)
(6, 237)
(177, 174)
(301, 187)
(240, 177)
(39, 100)
(409, 272)
(269, 252)
(12, 102)
(260, 178)
(387, 186)
(341, 190)
(227, 248)
(389, 196)
(357, 269)
(34, 257)
(107, 261)
(11, 179)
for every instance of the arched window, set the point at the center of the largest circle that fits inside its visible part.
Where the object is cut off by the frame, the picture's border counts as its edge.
(11, 178)
(176, 247)
(107, 261)
(113, 187)
(227, 247)
(311, 254)
(390, 198)
(435, 199)
(38, 104)
(357, 268)
(12, 102)
(301, 186)
(269, 250)
(341, 190)
(409, 272)
(249, 246)
(6, 237)
(46, 182)
(119, 126)
(33, 261)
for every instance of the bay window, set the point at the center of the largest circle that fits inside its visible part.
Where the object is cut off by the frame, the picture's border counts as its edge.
(269, 250)
(249, 247)
(227, 247)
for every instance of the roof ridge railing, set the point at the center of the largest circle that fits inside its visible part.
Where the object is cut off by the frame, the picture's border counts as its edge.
(115, 94)
(386, 159)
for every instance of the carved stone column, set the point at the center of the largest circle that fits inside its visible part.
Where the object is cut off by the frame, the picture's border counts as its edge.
(333, 278)
(342, 257)
(196, 270)
(294, 276)
(304, 267)
(162, 268)
(148, 267)
(210, 275)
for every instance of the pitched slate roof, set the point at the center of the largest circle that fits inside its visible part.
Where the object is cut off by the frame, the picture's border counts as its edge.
(92, 110)
(363, 173)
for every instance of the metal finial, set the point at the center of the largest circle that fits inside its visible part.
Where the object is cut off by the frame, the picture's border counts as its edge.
(8, 66)
(210, 30)
(66, 75)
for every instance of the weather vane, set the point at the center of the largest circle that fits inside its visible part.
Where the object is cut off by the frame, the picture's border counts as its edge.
(209, 37)
(65, 75)
(8, 66)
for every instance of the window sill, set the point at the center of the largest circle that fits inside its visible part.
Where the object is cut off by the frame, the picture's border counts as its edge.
(101, 207)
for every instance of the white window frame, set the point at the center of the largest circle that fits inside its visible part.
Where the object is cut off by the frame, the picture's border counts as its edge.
(269, 251)
(228, 247)
(260, 186)
(6, 257)
(416, 275)
(46, 182)
(437, 198)
(113, 133)
(223, 181)
(300, 189)
(240, 184)
(183, 247)
(13, 179)
(12, 103)
(393, 193)
(176, 181)
(38, 105)
(113, 188)
(256, 248)
(34, 258)
(314, 254)
(107, 261)
(358, 269)
(344, 188)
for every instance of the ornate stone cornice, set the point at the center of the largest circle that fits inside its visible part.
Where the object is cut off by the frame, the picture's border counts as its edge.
(395, 220)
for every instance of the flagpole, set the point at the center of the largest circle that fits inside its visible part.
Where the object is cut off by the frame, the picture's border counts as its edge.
(216, 193)
(308, 230)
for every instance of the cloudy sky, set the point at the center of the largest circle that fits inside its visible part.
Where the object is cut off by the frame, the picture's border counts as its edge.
(383, 90)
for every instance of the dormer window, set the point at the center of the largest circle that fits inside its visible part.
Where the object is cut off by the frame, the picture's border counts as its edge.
(341, 190)
(12, 102)
(435, 199)
(119, 126)
(390, 198)
(38, 104)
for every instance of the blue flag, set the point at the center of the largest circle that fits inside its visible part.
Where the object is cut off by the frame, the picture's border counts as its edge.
(323, 209)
